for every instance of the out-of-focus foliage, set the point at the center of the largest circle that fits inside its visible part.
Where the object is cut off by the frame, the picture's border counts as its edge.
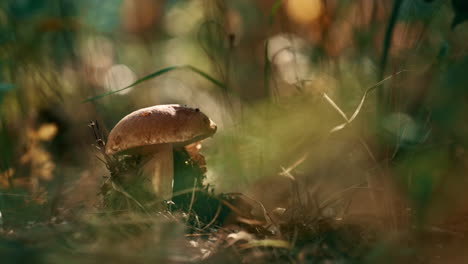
(352, 111)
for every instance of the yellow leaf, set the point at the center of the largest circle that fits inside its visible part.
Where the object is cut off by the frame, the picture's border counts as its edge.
(4, 183)
(47, 131)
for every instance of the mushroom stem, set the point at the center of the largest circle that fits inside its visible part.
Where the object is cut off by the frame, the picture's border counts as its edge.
(159, 169)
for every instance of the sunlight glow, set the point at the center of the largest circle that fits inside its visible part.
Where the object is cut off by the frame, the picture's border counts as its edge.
(287, 53)
(183, 17)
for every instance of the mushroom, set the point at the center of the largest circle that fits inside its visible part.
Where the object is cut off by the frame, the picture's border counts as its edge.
(153, 133)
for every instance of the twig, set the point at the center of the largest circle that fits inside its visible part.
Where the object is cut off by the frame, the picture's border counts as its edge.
(218, 211)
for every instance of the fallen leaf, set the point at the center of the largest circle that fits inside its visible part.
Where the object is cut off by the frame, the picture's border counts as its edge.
(47, 132)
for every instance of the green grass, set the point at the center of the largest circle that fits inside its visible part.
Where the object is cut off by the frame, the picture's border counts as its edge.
(362, 159)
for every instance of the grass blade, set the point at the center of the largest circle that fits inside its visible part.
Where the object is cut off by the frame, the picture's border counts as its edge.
(361, 103)
(157, 74)
(266, 70)
(206, 76)
(274, 10)
(337, 108)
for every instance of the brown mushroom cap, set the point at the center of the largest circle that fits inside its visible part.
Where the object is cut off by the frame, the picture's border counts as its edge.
(159, 124)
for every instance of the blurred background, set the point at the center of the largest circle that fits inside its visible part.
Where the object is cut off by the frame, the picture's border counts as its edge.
(359, 104)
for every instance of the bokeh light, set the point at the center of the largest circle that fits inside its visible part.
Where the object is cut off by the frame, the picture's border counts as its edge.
(118, 77)
(304, 11)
